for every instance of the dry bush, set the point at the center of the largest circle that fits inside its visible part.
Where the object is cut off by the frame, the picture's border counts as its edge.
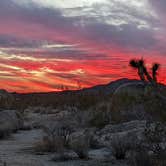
(80, 143)
(81, 149)
(155, 138)
(49, 145)
(139, 102)
(121, 146)
(5, 132)
(124, 106)
(155, 134)
(80, 99)
(142, 158)
(55, 139)
(99, 115)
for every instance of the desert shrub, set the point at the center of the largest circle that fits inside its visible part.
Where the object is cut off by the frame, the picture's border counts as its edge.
(156, 107)
(81, 150)
(80, 143)
(99, 115)
(155, 135)
(124, 106)
(49, 145)
(55, 139)
(99, 120)
(142, 158)
(5, 132)
(144, 102)
(6, 100)
(121, 146)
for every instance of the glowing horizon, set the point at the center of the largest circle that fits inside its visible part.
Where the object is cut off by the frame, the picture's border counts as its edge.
(47, 45)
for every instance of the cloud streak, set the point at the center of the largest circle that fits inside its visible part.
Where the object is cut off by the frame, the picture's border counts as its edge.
(46, 44)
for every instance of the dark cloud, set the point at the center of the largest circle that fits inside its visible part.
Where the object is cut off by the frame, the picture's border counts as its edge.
(8, 41)
(125, 36)
(129, 36)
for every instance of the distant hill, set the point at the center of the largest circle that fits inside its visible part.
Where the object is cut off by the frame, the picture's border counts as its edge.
(81, 98)
(105, 88)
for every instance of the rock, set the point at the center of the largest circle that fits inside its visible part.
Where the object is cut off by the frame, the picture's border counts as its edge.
(101, 154)
(9, 122)
(155, 134)
(150, 153)
(133, 129)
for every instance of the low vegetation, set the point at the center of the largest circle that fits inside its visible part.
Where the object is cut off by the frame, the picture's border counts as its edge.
(55, 139)
(83, 121)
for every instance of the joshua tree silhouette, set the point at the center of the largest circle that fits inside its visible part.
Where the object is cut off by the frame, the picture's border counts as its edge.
(155, 67)
(142, 70)
(139, 65)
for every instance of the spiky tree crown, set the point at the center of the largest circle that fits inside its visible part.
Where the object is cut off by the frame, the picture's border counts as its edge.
(155, 67)
(134, 63)
(142, 70)
(141, 62)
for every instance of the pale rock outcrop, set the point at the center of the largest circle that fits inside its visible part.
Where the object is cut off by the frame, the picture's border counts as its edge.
(133, 129)
(9, 122)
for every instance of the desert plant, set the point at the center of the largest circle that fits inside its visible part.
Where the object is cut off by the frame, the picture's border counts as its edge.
(81, 150)
(155, 67)
(142, 158)
(142, 70)
(139, 65)
(55, 139)
(49, 145)
(155, 135)
(100, 115)
(122, 145)
(80, 143)
(119, 148)
(148, 76)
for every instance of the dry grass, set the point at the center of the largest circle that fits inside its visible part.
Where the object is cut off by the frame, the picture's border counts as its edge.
(141, 158)
(80, 147)
(121, 146)
(100, 115)
(55, 139)
(49, 145)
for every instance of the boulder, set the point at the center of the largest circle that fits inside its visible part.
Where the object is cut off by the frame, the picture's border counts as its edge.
(9, 122)
(132, 130)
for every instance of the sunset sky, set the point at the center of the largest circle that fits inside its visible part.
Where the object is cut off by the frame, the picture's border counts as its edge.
(49, 45)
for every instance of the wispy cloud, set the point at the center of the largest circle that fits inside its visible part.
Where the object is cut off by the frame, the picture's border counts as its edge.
(48, 43)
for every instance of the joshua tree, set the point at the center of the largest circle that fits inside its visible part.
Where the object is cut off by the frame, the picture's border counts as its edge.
(142, 70)
(155, 67)
(149, 78)
(139, 65)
